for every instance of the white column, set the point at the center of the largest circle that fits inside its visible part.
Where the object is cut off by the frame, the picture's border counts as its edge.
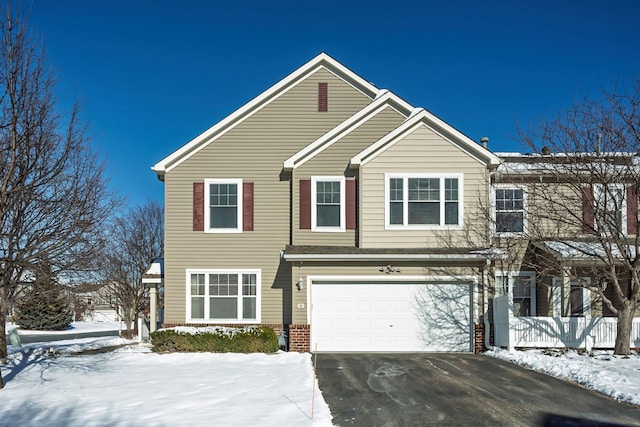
(153, 299)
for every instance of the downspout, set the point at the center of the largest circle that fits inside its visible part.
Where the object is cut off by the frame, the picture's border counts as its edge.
(485, 301)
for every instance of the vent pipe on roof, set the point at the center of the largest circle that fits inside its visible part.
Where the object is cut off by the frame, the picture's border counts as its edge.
(546, 151)
(485, 142)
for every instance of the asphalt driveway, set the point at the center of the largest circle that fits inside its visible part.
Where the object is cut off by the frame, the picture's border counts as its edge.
(373, 389)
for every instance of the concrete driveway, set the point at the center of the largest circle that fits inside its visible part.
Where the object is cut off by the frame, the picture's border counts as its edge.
(373, 389)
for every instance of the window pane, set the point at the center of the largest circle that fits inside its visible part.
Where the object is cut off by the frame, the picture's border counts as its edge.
(197, 307)
(451, 189)
(248, 284)
(424, 213)
(224, 217)
(223, 308)
(395, 189)
(328, 216)
(451, 213)
(396, 212)
(424, 189)
(576, 300)
(509, 222)
(248, 308)
(521, 307)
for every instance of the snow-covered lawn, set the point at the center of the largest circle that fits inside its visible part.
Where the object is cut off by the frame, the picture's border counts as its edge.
(131, 386)
(47, 384)
(614, 376)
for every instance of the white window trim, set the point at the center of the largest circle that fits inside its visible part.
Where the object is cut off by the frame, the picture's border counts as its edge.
(207, 207)
(597, 192)
(206, 272)
(405, 201)
(511, 275)
(314, 212)
(557, 297)
(525, 222)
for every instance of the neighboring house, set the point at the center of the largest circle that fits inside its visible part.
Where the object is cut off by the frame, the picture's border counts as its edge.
(95, 302)
(339, 214)
(555, 217)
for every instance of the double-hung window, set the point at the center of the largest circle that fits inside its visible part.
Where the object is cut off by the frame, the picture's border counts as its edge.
(610, 208)
(423, 200)
(328, 203)
(509, 209)
(521, 288)
(223, 296)
(223, 209)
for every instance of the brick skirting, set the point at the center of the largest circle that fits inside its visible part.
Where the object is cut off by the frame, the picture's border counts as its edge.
(478, 337)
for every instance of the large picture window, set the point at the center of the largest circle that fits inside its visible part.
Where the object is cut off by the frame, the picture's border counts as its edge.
(423, 200)
(223, 199)
(509, 209)
(223, 296)
(328, 203)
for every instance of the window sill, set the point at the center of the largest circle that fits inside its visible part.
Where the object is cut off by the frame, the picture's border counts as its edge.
(328, 230)
(422, 227)
(223, 230)
(224, 321)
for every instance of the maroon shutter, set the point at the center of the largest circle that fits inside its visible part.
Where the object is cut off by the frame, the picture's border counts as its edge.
(588, 216)
(350, 202)
(323, 97)
(632, 210)
(305, 204)
(247, 206)
(198, 206)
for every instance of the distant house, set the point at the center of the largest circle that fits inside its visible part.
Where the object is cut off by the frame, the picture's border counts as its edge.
(337, 213)
(95, 302)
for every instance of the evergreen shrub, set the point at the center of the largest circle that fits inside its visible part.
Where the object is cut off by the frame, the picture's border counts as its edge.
(216, 339)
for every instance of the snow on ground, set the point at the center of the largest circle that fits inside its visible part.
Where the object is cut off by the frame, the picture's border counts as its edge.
(75, 327)
(47, 384)
(600, 370)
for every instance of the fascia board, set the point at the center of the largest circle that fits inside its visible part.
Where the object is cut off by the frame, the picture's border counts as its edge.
(259, 102)
(377, 257)
(349, 125)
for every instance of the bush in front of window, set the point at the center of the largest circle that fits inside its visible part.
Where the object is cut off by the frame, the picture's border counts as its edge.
(215, 339)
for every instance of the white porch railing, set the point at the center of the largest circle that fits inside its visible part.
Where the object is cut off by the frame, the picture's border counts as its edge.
(546, 332)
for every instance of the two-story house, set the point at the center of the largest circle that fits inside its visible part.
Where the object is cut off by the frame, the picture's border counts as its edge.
(334, 211)
(566, 227)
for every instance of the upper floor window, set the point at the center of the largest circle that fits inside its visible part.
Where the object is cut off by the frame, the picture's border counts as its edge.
(328, 203)
(509, 209)
(610, 208)
(423, 200)
(223, 200)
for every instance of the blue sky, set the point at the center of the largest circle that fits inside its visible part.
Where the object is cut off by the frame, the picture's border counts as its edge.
(154, 74)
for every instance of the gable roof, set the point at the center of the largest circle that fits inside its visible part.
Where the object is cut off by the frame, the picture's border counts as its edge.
(321, 61)
(418, 119)
(384, 99)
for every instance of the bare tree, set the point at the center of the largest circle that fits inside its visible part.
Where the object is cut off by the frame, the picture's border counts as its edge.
(53, 195)
(583, 198)
(136, 238)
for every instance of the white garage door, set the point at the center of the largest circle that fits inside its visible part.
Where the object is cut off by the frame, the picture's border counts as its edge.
(387, 317)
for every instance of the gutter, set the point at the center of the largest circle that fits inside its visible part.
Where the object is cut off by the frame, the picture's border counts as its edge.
(377, 257)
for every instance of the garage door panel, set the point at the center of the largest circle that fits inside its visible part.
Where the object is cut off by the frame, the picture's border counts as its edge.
(391, 317)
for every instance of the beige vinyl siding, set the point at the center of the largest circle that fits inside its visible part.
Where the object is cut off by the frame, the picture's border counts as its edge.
(422, 151)
(356, 270)
(334, 161)
(254, 151)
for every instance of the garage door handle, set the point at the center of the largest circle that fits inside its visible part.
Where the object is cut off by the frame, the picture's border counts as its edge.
(391, 326)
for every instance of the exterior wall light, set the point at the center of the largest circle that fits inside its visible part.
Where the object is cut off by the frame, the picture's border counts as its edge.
(300, 284)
